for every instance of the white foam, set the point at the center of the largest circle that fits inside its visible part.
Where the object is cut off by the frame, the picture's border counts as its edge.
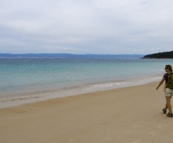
(46, 95)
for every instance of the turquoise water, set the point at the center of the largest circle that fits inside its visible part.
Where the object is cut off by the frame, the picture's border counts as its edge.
(25, 78)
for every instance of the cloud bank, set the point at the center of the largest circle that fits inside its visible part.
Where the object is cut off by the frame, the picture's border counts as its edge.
(88, 26)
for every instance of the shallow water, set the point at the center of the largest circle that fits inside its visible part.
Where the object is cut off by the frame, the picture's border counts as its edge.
(31, 78)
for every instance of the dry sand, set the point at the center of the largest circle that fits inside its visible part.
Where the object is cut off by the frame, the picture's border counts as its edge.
(126, 115)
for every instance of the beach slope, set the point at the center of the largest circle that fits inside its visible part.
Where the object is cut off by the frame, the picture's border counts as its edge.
(125, 115)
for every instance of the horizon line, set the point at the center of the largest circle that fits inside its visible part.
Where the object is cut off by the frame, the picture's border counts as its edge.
(63, 53)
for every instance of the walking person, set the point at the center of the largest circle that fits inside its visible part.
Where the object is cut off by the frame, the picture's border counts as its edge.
(168, 92)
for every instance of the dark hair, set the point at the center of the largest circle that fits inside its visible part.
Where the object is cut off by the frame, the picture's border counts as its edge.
(168, 67)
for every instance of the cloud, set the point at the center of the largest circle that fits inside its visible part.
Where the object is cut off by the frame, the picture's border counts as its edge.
(74, 26)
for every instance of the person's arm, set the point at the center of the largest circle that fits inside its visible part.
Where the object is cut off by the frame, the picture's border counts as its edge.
(161, 82)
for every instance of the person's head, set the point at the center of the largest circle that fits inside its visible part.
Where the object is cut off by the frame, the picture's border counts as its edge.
(168, 68)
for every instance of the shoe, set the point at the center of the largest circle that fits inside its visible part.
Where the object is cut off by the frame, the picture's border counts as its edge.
(164, 111)
(170, 115)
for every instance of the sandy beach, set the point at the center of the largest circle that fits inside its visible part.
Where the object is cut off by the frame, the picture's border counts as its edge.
(125, 115)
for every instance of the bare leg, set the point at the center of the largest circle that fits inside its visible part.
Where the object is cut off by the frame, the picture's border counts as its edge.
(168, 104)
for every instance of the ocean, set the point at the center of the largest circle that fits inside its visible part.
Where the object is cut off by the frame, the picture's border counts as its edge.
(31, 79)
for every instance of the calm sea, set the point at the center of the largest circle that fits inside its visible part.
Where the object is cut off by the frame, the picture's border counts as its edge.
(32, 79)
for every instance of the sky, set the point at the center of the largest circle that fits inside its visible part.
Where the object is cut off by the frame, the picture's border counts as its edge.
(86, 26)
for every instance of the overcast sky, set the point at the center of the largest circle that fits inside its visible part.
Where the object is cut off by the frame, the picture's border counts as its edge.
(86, 26)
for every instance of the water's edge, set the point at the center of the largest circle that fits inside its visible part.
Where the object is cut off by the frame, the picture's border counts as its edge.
(53, 94)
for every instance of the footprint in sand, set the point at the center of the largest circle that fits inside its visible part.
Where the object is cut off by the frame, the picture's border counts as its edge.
(152, 133)
(137, 126)
(136, 141)
(160, 125)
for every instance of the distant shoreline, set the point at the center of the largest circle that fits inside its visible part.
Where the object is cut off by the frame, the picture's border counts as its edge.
(67, 55)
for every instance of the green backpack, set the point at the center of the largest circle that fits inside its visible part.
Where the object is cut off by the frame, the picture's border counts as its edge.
(169, 84)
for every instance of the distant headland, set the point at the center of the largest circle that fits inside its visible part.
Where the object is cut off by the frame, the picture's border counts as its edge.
(163, 55)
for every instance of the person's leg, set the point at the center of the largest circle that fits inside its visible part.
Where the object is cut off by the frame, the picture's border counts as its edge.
(165, 109)
(167, 94)
(168, 101)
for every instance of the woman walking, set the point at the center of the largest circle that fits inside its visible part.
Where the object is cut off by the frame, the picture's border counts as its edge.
(167, 91)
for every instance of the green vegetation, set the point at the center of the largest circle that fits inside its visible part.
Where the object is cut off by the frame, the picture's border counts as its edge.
(164, 55)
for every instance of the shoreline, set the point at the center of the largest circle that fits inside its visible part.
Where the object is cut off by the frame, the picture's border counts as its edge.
(27, 98)
(129, 114)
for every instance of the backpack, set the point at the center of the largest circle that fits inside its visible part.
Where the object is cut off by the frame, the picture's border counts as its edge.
(169, 84)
